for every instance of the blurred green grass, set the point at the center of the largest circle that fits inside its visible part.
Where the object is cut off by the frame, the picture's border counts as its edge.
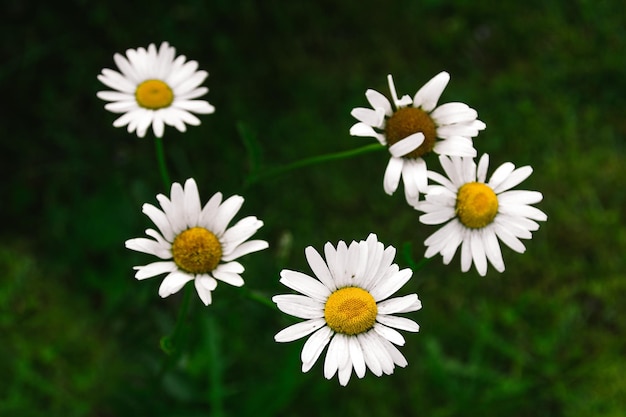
(80, 335)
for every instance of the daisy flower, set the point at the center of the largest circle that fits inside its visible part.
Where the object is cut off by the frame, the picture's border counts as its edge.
(415, 128)
(154, 88)
(478, 213)
(347, 308)
(196, 243)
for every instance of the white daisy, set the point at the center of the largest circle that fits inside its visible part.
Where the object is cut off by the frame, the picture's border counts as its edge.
(478, 213)
(196, 243)
(415, 128)
(347, 308)
(154, 88)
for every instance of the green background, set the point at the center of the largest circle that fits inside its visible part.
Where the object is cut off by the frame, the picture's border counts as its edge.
(79, 336)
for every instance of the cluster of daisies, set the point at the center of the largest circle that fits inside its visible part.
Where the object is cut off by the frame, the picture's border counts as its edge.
(345, 303)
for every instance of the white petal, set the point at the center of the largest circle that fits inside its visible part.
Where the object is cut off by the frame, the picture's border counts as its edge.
(127, 69)
(510, 239)
(209, 212)
(393, 172)
(345, 360)
(304, 284)
(402, 102)
(356, 356)
(524, 211)
(361, 129)
(383, 289)
(319, 268)
(483, 165)
(403, 304)
(376, 348)
(455, 146)
(519, 197)
(500, 174)
(478, 252)
(299, 330)
(176, 216)
(369, 354)
(428, 96)
(378, 100)
(228, 277)
(116, 96)
(299, 306)
(401, 323)
(174, 282)
(225, 214)
(492, 249)
(246, 248)
(331, 362)
(192, 203)
(231, 267)
(450, 113)
(438, 217)
(314, 346)
(204, 285)
(148, 246)
(374, 118)
(158, 127)
(160, 221)
(390, 334)
(194, 106)
(117, 81)
(240, 232)
(515, 178)
(406, 145)
(155, 268)
(394, 353)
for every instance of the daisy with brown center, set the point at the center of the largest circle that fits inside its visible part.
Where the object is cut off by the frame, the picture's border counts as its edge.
(477, 213)
(414, 129)
(348, 308)
(194, 242)
(154, 88)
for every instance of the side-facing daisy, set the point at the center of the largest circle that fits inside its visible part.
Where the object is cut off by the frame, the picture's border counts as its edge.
(415, 128)
(154, 88)
(478, 213)
(347, 308)
(196, 243)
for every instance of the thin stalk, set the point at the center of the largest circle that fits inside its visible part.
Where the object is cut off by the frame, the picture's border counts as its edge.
(160, 155)
(216, 389)
(254, 178)
(255, 296)
(170, 344)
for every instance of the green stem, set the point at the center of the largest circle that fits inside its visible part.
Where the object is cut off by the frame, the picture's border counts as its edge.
(254, 178)
(216, 390)
(160, 154)
(255, 296)
(407, 250)
(170, 344)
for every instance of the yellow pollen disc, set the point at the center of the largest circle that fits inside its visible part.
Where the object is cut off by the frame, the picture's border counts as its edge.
(407, 121)
(154, 94)
(476, 205)
(350, 310)
(197, 250)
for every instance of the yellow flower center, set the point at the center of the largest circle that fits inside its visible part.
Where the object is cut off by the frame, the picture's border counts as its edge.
(476, 205)
(154, 94)
(407, 121)
(350, 310)
(197, 250)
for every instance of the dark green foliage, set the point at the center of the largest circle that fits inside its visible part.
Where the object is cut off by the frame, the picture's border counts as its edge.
(80, 337)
